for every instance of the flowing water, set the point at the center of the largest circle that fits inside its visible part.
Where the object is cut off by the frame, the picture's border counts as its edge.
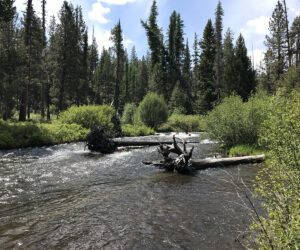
(63, 197)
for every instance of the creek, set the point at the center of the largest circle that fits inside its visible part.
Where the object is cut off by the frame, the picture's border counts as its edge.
(62, 197)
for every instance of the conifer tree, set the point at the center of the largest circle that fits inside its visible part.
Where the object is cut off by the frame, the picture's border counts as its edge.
(219, 52)
(154, 35)
(277, 40)
(7, 10)
(11, 63)
(244, 72)
(28, 43)
(295, 41)
(206, 68)
(94, 58)
(43, 77)
(116, 37)
(229, 72)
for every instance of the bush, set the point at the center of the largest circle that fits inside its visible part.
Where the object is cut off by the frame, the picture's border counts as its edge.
(153, 110)
(29, 134)
(278, 183)
(234, 122)
(133, 130)
(88, 117)
(185, 123)
(128, 113)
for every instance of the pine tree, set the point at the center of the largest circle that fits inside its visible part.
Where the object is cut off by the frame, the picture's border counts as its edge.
(186, 80)
(116, 37)
(142, 80)
(287, 34)
(68, 63)
(94, 58)
(104, 79)
(11, 64)
(277, 40)
(206, 68)
(7, 10)
(219, 52)
(295, 41)
(28, 43)
(43, 90)
(229, 72)
(244, 72)
(154, 35)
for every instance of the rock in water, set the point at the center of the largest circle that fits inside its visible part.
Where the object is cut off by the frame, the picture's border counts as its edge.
(99, 140)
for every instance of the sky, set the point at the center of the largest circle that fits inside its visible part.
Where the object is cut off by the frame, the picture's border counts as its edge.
(249, 17)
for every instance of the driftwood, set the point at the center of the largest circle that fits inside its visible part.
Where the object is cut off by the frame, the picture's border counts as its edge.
(100, 140)
(181, 163)
(209, 163)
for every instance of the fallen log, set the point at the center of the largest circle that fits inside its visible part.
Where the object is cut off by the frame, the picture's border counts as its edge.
(120, 143)
(198, 164)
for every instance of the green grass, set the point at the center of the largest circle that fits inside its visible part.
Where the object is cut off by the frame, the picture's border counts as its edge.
(134, 130)
(32, 134)
(243, 150)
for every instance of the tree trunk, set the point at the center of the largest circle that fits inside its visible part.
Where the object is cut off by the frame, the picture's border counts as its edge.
(198, 164)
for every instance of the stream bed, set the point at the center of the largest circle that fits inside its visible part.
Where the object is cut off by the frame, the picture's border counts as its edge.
(62, 197)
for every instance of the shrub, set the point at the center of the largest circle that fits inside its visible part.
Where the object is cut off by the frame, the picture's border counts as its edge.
(153, 110)
(185, 123)
(88, 117)
(133, 130)
(128, 113)
(29, 134)
(234, 122)
(62, 133)
(278, 183)
(165, 128)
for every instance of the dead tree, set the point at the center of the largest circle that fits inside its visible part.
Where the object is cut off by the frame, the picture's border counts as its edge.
(181, 163)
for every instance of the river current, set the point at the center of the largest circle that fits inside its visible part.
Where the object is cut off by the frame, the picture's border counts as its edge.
(63, 197)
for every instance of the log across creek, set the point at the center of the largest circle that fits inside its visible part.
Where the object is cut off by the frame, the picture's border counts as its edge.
(195, 164)
(98, 140)
(199, 164)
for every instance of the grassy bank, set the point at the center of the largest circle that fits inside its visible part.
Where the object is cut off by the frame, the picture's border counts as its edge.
(31, 134)
(71, 125)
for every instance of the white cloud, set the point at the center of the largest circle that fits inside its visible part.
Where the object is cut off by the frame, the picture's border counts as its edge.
(98, 13)
(52, 7)
(103, 39)
(259, 25)
(256, 57)
(98, 10)
(117, 2)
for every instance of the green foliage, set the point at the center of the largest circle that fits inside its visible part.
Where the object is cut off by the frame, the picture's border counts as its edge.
(179, 102)
(30, 134)
(185, 123)
(134, 130)
(153, 110)
(234, 122)
(128, 113)
(290, 80)
(88, 117)
(278, 183)
(243, 150)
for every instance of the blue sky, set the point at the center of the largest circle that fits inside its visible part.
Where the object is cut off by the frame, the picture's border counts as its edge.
(249, 17)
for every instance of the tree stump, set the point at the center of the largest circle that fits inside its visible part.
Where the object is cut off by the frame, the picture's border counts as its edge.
(99, 140)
